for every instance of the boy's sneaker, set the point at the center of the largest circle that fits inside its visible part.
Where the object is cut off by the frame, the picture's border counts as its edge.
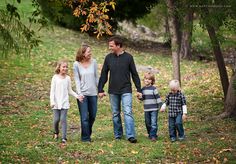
(181, 138)
(173, 139)
(118, 138)
(153, 139)
(63, 141)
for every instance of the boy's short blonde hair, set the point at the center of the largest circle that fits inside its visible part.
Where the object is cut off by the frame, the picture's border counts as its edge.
(174, 84)
(150, 76)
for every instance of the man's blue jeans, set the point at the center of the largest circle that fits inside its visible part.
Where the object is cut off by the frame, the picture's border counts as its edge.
(151, 118)
(176, 125)
(125, 100)
(88, 111)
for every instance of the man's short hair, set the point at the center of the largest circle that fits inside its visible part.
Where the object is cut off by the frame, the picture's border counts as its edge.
(117, 40)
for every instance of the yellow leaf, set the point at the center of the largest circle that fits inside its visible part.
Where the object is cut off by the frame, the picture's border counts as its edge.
(134, 152)
(76, 12)
(113, 5)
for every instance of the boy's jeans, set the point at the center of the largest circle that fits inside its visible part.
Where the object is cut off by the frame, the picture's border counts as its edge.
(151, 118)
(176, 125)
(125, 100)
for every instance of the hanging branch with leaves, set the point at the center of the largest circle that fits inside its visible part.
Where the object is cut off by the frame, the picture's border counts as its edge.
(96, 15)
(15, 36)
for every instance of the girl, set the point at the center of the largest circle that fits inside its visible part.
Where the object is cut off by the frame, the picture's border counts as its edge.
(59, 98)
(86, 78)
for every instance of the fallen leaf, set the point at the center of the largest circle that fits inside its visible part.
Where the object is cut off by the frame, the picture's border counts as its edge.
(224, 150)
(134, 152)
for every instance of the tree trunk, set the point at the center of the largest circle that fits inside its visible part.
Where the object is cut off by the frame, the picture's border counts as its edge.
(217, 52)
(230, 102)
(219, 58)
(175, 49)
(185, 51)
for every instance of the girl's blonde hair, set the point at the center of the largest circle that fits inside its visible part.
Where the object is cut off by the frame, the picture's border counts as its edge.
(174, 84)
(59, 63)
(150, 76)
(80, 53)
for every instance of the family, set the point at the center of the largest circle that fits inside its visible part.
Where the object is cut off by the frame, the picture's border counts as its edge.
(118, 68)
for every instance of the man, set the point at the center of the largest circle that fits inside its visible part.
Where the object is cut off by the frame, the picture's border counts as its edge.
(120, 66)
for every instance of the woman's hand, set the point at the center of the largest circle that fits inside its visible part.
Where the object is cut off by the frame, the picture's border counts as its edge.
(81, 98)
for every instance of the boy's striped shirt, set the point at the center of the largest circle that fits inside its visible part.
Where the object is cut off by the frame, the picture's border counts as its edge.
(151, 98)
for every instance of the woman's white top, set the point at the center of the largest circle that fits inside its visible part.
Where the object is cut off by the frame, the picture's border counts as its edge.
(60, 90)
(86, 79)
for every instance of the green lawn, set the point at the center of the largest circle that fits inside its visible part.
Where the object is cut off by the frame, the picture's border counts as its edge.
(26, 118)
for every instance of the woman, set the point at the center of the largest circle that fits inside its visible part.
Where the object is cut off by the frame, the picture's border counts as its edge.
(86, 79)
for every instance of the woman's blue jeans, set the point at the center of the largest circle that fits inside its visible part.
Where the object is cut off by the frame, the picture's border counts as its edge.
(151, 118)
(125, 100)
(176, 125)
(88, 111)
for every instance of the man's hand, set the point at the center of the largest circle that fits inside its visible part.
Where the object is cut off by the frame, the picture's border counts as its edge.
(101, 95)
(139, 95)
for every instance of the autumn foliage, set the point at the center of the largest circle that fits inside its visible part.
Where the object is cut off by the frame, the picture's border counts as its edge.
(96, 15)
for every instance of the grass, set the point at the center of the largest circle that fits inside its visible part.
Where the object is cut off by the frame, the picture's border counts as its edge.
(26, 118)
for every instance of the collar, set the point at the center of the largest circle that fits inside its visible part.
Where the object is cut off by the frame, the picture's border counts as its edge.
(120, 53)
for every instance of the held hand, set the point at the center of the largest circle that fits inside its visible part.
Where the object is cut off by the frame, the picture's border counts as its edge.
(162, 110)
(184, 117)
(81, 98)
(139, 95)
(101, 95)
(52, 105)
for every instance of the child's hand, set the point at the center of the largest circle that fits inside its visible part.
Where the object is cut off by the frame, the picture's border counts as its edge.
(184, 117)
(52, 105)
(162, 110)
(139, 95)
(81, 98)
(163, 107)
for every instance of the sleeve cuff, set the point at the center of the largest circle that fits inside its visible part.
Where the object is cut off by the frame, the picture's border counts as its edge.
(163, 106)
(184, 109)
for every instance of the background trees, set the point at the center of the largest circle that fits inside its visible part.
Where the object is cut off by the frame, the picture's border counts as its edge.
(212, 15)
(63, 12)
(15, 35)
